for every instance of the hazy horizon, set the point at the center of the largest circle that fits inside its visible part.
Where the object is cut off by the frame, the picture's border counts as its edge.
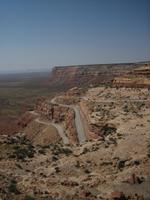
(37, 35)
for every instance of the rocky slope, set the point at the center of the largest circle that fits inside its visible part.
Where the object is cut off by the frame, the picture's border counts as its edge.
(113, 163)
(96, 170)
(112, 110)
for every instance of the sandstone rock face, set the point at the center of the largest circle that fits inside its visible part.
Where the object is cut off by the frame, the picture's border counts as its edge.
(85, 75)
(65, 77)
(59, 114)
(139, 77)
(132, 81)
(70, 125)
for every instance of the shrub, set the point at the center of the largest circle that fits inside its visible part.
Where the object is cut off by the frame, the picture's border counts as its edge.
(57, 169)
(107, 129)
(147, 198)
(54, 158)
(87, 171)
(77, 164)
(42, 151)
(13, 187)
(67, 151)
(57, 150)
(28, 197)
(126, 109)
(22, 153)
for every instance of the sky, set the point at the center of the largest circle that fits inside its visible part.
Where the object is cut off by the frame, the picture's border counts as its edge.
(39, 34)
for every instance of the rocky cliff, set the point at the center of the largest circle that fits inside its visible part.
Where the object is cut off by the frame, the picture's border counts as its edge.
(138, 77)
(59, 114)
(84, 75)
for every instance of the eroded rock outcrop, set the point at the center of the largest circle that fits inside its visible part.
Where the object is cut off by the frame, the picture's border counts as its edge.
(139, 77)
(59, 114)
(127, 74)
(86, 75)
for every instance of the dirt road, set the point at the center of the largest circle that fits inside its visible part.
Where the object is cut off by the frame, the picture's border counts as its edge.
(78, 121)
(57, 126)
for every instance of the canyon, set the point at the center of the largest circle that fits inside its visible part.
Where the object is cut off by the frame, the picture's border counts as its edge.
(90, 140)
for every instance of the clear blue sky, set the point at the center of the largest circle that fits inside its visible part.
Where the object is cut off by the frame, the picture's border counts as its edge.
(37, 34)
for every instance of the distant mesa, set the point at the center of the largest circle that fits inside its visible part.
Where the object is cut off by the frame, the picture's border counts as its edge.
(124, 74)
